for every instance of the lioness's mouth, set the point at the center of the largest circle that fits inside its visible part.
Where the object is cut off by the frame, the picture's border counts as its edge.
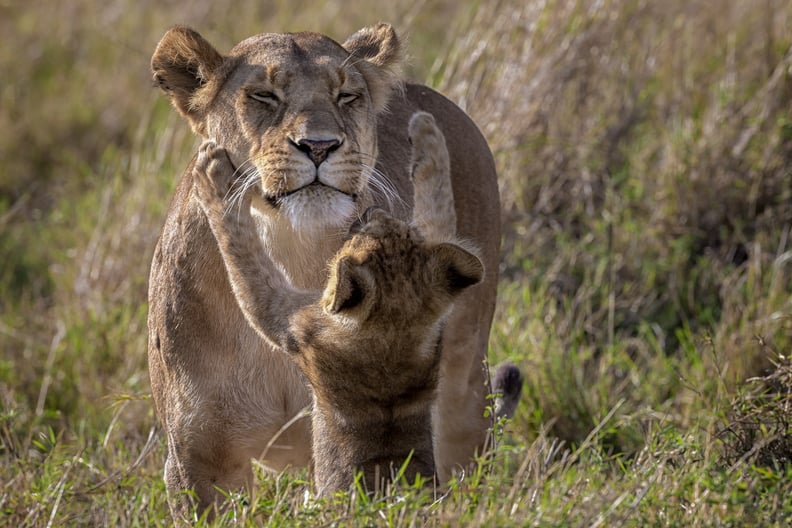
(276, 200)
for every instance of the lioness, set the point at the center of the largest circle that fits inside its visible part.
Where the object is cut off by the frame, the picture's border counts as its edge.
(319, 130)
(368, 343)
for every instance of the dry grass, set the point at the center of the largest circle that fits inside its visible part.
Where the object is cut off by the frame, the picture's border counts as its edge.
(644, 153)
(760, 423)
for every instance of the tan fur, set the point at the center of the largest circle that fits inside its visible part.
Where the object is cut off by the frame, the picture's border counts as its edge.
(222, 392)
(369, 345)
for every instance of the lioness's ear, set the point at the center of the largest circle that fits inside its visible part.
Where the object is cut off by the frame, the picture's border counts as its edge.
(182, 64)
(349, 287)
(377, 52)
(457, 268)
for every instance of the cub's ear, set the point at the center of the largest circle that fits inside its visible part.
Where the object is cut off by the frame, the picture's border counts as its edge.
(456, 268)
(183, 63)
(377, 52)
(349, 289)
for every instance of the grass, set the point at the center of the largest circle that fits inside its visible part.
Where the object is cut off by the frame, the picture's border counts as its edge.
(645, 157)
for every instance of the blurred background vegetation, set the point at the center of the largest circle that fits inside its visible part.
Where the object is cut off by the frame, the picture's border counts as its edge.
(645, 159)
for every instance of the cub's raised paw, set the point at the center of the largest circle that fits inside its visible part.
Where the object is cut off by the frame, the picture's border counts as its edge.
(429, 152)
(214, 175)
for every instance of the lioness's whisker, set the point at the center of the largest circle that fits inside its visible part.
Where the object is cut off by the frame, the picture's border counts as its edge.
(381, 184)
(247, 178)
(239, 173)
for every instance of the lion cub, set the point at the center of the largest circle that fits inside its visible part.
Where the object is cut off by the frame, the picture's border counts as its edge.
(369, 343)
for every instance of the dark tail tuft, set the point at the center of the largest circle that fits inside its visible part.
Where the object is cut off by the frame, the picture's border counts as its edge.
(507, 384)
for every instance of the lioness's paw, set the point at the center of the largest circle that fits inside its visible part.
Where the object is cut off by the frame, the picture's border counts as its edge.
(429, 152)
(213, 174)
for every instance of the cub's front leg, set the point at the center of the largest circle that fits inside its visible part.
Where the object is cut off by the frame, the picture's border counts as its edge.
(227, 207)
(430, 170)
(262, 291)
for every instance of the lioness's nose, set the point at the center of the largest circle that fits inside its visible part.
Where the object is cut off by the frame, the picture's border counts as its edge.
(318, 149)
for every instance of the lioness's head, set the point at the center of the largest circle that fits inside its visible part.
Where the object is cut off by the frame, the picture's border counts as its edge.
(296, 112)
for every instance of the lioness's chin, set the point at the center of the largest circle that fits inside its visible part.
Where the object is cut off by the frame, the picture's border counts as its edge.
(315, 210)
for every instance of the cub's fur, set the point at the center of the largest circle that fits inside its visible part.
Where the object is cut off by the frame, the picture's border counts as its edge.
(302, 119)
(369, 344)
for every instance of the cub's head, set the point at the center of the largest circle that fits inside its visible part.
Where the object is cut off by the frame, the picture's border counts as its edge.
(296, 112)
(387, 271)
(387, 293)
